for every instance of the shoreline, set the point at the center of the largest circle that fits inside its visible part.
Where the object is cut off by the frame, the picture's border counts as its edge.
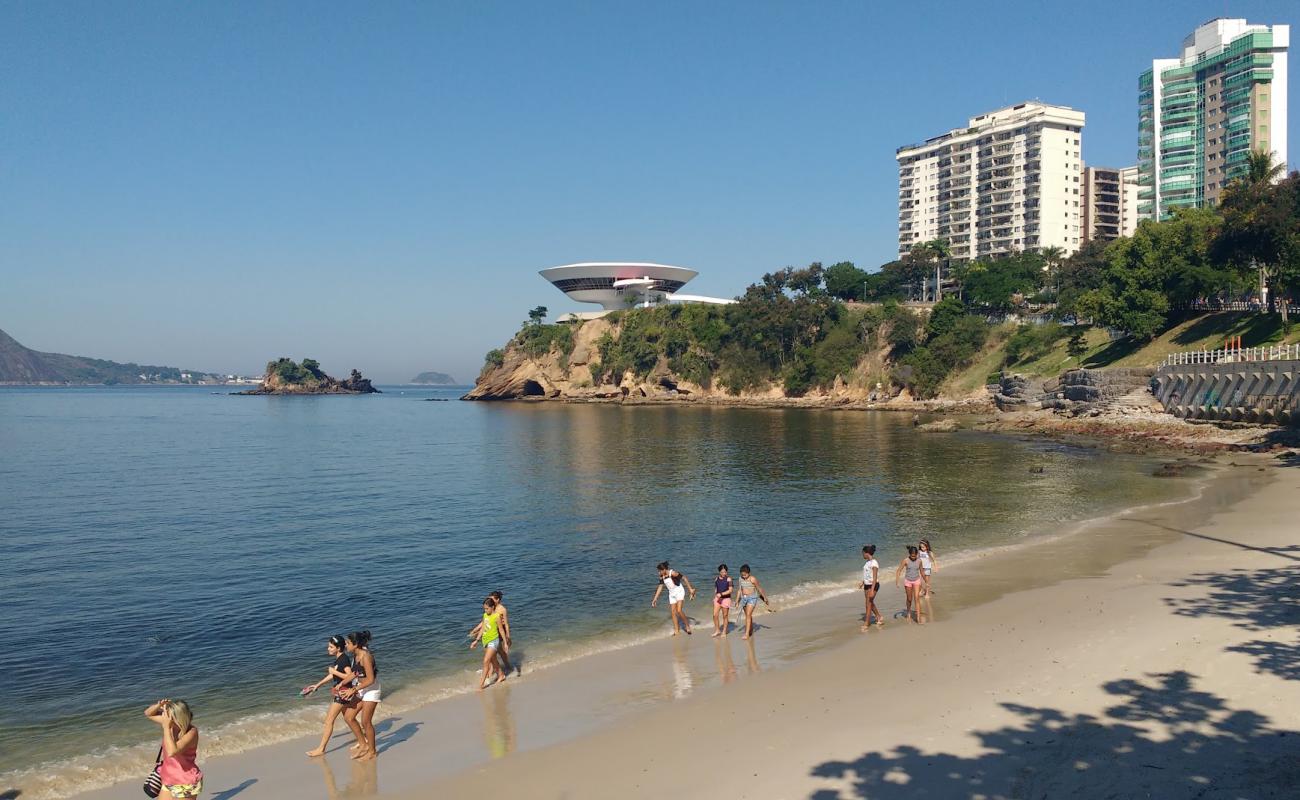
(1114, 681)
(622, 680)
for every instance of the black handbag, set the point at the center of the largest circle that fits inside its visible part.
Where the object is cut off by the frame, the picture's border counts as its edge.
(153, 783)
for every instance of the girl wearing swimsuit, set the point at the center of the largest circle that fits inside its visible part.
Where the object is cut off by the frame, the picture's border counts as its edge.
(337, 671)
(488, 632)
(870, 585)
(177, 767)
(673, 580)
(505, 631)
(722, 586)
(751, 591)
(366, 689)
(911, 565)
(929, 563)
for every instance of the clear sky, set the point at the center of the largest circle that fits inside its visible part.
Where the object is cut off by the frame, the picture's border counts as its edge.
(210, 185)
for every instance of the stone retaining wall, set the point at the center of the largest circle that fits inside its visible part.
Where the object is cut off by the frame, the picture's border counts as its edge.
(1264, 391)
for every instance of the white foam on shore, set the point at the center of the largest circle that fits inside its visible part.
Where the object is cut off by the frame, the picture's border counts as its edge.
(64, 777)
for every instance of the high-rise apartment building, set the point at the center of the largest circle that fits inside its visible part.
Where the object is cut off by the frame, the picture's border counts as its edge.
(1200, 115)
(1110, 198)
(1008, 181)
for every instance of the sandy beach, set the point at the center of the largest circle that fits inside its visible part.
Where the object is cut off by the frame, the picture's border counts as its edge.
(1174, 674)
(1153, 654)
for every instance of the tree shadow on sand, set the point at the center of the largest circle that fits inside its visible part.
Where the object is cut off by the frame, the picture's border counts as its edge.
(1164, 739)
(1262, 600)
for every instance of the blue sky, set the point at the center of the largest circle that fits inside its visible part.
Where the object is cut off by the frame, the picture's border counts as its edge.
(210, 185)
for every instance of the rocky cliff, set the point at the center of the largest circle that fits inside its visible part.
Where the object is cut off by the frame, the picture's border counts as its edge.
(577, 375)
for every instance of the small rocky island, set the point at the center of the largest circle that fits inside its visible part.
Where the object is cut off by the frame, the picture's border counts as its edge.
(433, 379)
(284, 376)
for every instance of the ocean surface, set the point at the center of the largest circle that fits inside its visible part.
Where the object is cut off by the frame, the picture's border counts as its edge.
(182, 542)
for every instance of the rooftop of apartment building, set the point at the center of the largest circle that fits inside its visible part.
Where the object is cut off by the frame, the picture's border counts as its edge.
(1002, 116)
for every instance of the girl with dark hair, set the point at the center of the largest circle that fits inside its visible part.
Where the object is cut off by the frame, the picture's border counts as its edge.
(365, 688)
(338, 671)
(505, 631)
(751, 591)
(488, 632)
(672, 580)
(722, 586)
(870, 585)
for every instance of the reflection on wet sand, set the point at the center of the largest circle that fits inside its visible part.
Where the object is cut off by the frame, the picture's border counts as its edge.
(683, 681)
(722, 654)
(752, 657)
(498, 722)
(363, 779)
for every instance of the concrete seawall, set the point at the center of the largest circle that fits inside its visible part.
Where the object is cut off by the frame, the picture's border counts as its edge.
(1258, 391)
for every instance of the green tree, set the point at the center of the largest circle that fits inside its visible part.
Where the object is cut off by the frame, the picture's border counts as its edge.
(1257, 224)
(537, 315)
(994, 284)
(844, 281)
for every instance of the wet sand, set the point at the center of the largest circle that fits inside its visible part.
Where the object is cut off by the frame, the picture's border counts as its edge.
(1024, 642)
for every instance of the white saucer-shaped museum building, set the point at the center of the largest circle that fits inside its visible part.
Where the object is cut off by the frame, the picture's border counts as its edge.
(616, 285)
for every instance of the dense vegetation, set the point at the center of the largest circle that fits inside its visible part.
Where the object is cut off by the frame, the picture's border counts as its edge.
(805, 328)
(308, 372)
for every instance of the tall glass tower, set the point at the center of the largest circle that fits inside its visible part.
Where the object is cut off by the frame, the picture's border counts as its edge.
(1200, 115)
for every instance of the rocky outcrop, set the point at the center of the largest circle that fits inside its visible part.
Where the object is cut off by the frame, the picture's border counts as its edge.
(577, 376)
(1077, 391)
(272, 383)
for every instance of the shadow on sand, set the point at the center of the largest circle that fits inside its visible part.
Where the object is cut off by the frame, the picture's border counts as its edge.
(1261, 600)
(1164, 738)
(226, 794)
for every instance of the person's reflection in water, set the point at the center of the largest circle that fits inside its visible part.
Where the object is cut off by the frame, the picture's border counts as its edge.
(498, 722)
(363, 780)
(726, 667)
(683, 681)
(752, 657)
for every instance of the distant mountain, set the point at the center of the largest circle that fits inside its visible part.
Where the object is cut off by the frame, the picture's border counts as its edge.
(435, 378)
(19, 364)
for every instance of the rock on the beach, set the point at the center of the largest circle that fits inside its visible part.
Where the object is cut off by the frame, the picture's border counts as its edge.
(945, 425)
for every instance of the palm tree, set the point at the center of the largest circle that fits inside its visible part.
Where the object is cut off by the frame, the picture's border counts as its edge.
(1261, 169)
(940, 251)
(1052, 258)
(1244, 204)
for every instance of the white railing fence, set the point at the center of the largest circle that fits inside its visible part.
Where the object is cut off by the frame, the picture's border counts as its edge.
(1234, 355)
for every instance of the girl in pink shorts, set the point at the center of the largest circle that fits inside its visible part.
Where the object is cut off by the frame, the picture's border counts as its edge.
(909, 569)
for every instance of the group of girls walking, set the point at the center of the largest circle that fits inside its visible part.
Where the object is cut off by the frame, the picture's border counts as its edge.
(726, 593)
(915, 572)
(353, 676)
(493, 632)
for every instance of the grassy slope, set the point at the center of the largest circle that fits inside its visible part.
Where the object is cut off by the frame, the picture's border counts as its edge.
(1203, 331)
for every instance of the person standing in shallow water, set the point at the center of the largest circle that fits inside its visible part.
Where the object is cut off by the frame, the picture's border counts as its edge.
(505, 631)
(488, 632)
(366, 689)
(751, 591)
(678, 585)
(911, 567)
(722, 586)
(339, 670)
(870, 585)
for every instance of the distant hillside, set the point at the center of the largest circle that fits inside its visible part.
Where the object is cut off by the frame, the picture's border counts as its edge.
(19, 364)
(434, 378)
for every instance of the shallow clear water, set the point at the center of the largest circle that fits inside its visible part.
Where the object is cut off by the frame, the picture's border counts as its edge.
(175, 542)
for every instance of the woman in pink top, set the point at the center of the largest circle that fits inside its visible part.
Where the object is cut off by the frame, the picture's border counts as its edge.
(181, 776)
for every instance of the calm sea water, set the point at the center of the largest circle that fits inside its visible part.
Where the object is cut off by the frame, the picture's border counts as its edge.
(177, 542)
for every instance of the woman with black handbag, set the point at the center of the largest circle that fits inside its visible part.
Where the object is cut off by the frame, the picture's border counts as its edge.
(176, 775)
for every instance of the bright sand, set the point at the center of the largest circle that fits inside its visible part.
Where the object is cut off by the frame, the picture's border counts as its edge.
(1154, 654)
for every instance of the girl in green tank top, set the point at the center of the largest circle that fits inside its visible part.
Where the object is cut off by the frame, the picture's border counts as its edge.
(488, 631)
